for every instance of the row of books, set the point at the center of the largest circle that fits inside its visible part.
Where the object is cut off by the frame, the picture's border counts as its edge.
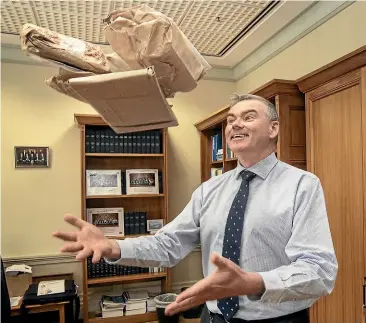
(105, 140)
(217, 149)
(103, 269)
(127, 304)
(135, 222)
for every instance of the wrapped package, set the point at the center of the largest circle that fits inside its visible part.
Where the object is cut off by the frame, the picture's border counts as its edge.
(144, 37)
(128, 101)
(60, 82)
(45, 44)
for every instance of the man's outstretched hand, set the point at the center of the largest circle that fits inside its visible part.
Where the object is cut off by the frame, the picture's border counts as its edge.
(227, 280)
(87, 241)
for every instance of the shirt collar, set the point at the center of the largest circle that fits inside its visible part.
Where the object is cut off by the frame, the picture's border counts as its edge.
(261, 169)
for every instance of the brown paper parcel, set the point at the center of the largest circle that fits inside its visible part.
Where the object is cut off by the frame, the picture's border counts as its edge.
(144, 37)
(128, 101)
(43, 43)
(60, 82)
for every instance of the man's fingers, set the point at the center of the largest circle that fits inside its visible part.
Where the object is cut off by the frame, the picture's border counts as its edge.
(86, 252)
(199, 288)
(72, 247)
(66, 236)
(175, 307)
(75, 221)
(96, 256)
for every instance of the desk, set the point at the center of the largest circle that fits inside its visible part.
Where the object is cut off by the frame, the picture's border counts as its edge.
(60, 307)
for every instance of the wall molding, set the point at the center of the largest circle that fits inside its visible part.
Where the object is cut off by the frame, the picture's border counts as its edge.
(40, 260)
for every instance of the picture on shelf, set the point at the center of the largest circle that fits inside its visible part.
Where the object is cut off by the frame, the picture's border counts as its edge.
(109, 220)
(154, 225)
(31, 157)
(142, 181)
(103, 182)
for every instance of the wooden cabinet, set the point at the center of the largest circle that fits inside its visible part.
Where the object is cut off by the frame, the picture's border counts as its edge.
(154, 205)
(291, 147)
(336, 153)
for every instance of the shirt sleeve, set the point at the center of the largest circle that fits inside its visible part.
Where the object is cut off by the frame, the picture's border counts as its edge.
(314, 266)
(170, 244)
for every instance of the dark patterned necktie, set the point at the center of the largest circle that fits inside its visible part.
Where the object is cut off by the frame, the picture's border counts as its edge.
(232, 239)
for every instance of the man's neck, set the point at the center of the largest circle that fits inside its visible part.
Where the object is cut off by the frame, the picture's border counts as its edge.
(248, 159)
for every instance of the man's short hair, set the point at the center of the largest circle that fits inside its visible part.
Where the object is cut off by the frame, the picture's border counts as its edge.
(271, 109)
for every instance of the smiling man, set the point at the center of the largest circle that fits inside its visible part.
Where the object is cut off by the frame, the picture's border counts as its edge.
(267, 252)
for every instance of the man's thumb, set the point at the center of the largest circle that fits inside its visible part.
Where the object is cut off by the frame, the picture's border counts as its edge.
(219, 261)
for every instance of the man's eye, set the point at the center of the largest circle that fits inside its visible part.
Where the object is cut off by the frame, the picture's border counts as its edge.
(249, 117)
(231, 120)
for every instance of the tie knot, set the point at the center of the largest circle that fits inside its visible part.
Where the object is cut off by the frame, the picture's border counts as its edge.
(247, 175)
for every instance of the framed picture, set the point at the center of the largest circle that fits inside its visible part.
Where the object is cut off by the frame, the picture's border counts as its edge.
(109, 220)
(103, 182)
(154, 225)
(31, 157)
(142, 181)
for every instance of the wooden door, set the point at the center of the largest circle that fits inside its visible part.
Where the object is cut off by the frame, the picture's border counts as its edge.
(336, 150)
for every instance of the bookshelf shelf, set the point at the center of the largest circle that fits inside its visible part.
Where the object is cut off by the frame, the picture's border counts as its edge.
(217, 162)
(291, 147)
(124, 196)
(103, 149)
(128, 236)
(147, 317)
(126, 278)
(121, 155)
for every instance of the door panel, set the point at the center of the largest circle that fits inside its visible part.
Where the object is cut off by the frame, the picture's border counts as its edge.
(335, 155)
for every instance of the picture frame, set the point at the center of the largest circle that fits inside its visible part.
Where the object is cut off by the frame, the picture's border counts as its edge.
(142, 181)
(154, 225)
(109, 220)
(31, 157)
(103, 182)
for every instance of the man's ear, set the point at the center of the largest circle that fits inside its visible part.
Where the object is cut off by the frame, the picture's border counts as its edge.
(274, 128)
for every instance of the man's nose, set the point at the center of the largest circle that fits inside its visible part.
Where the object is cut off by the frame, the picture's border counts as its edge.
(237, 123)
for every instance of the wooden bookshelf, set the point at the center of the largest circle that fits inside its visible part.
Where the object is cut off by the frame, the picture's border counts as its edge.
(291, 147)
(155, 205)
(126, 278)
(124, 196)
(147, 317)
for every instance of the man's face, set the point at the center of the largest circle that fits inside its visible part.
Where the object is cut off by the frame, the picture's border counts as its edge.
(249, 128)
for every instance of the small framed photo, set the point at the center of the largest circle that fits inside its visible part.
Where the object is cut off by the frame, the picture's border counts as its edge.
(142, 181)
(103, 182)
(31, 157)
(109, 220)
(154, 225)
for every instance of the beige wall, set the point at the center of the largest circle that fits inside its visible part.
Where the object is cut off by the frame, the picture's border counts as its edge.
(337, 37)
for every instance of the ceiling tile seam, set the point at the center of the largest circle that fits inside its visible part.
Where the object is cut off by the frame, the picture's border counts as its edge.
(186, 10)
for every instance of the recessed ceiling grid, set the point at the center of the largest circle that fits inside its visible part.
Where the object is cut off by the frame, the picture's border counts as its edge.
(211, 25)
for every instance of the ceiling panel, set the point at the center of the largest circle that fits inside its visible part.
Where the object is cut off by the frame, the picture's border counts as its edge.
(211, 25)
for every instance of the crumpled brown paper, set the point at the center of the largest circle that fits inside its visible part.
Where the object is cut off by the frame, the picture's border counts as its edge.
(46, 44)
(145, 37)
(127, 101)
(60, 82)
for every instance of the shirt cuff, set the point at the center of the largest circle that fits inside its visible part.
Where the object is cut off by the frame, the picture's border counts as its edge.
(127, 252)
(274, 288)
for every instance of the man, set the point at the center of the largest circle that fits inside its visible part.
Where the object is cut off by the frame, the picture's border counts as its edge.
(267, 252)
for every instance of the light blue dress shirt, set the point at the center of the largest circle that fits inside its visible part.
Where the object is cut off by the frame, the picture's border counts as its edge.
(286, 237)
